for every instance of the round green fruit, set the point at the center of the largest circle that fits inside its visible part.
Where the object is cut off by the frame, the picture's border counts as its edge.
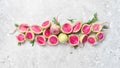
(62, 38)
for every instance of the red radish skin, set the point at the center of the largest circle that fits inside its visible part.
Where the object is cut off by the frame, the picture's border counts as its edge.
(46, 24)
(92, 40)
(100, 36)
(46, 33)
(36, 29)
(40, 40)
(67, 28)
(76, 27)
(53, 40)
(83, 38)
(55, 29)
(20, 38)
(29, 35)
(73, 39)
(23, 27)
(86, 29)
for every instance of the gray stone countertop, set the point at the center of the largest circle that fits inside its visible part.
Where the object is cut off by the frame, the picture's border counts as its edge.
(105, 55)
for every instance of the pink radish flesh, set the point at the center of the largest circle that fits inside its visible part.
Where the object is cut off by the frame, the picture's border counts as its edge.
(91, 40)
(73, 39)
(47, 32)
(45, 23)
(29, 35)
(76, 27)
(53, 40)
(23, 27)
(84, 39)
(86, 29)
(20, 37)
(36, 28)
(40, 40)
(96, 27)
(67, 28)
(100, 36)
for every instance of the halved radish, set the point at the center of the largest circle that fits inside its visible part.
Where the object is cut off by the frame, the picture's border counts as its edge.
(29, 35)
(73, 39)
(91, 40)
(46, 24)
(53, 40)
(36, 29)
(40, 40)
(83, 38)
(86, 29)
(100, 36)
(96, 27)
(67, 28)
(76, 26)
(20, 37)
(46, 33)
(23, 27)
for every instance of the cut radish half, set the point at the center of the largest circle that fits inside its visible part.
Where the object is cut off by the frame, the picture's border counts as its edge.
(96, 27)
(92, 40)
(73, 39)
(53, 40)
(86, 29)
(100, 35)
(29, 35)
(40, 40)
(76, 27)
(83, 38)
(36, 29)
(67, 28)
(23, 27)
(20, 37)
(46, 24)
(46, 33)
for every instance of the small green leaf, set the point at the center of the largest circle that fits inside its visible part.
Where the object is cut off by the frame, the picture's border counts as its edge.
(94, 19)
(71, 20)
(16, 25)
(19, 44)
(105, 27)
(76, 46)
(89, 21)
(55, 21)
(32, 42)
(24, 33)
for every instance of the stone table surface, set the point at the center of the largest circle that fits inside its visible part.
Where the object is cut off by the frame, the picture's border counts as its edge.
(105, 55)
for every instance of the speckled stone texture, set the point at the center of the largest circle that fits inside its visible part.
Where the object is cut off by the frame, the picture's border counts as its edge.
(105, 55)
